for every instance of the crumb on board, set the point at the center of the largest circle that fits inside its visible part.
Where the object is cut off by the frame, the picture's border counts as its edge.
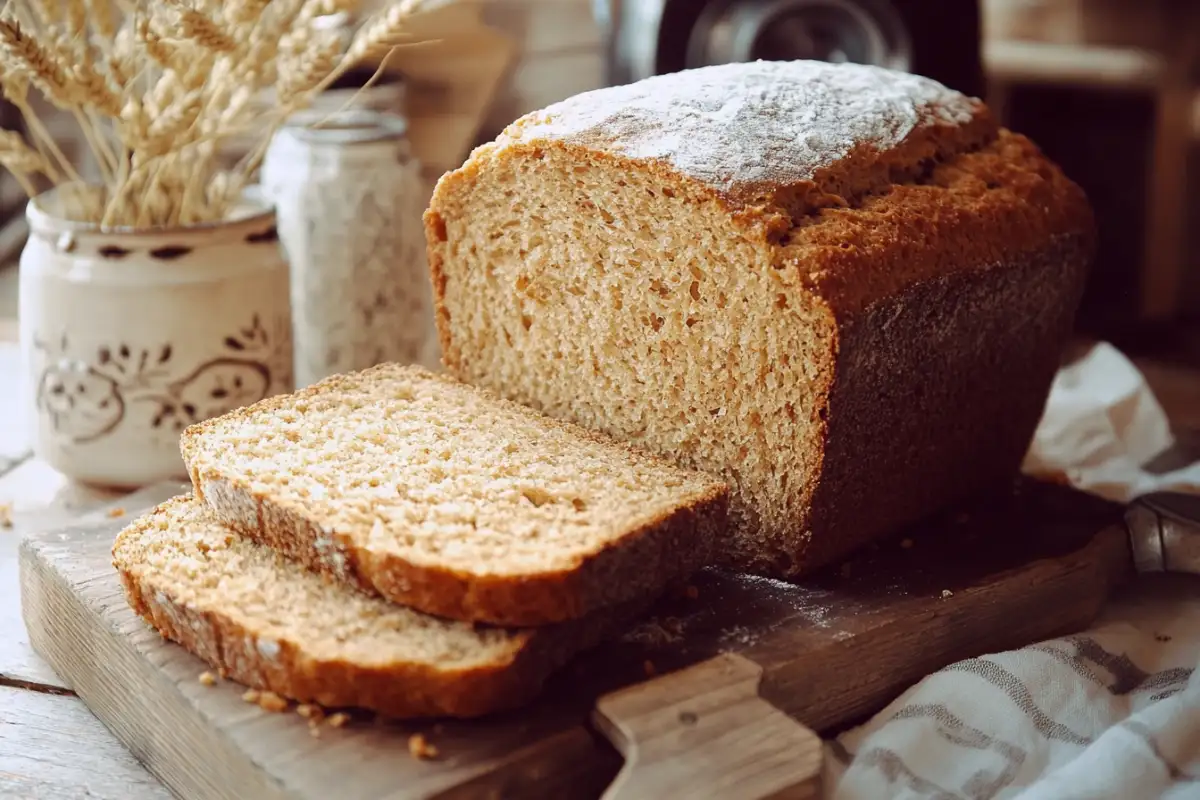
(947, 593)
(338, 720)
(419, 747)
(208, 679)
(269, 701)
(310, 711)
(692, 592)
(6, 519)
(116, 512)
(266, 700)
(648, 668)
(906, 543)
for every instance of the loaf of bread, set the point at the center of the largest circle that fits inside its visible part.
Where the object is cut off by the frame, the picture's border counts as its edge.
(269, 623)
(844, 289)
(447, 499)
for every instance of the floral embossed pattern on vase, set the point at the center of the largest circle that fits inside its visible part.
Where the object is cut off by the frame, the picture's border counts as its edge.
(130, 336)
(350, 199)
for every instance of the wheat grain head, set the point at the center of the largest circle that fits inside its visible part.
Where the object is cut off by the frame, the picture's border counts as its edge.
(23, 55)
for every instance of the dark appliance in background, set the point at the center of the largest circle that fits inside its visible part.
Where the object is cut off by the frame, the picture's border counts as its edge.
(1102, 139)
(938, 39)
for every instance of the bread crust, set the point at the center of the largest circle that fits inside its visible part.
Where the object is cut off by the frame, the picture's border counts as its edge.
(399, 689)
(922, 415)
(665, 548)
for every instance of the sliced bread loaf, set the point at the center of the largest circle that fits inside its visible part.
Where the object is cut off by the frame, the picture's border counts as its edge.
(844, 289)
(447, 499)
(272, 624)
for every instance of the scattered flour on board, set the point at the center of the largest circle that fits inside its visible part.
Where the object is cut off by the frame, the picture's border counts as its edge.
(810, 603)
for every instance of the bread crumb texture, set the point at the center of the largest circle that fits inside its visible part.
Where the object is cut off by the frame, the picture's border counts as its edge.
(842, 289)
(288, 632)
(450, 500)
(6, 519)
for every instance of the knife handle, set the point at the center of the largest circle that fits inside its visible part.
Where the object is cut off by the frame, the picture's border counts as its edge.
(1164, 532)
(704, 732)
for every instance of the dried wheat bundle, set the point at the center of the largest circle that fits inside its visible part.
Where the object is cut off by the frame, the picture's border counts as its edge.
(156, 87)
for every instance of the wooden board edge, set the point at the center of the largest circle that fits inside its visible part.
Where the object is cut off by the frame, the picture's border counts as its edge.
(61, 630)
(572, 763)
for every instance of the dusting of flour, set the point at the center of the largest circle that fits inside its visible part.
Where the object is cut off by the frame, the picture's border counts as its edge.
(757, 123)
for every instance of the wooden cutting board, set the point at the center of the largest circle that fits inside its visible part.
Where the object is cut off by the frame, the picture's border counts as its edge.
(1025, 565)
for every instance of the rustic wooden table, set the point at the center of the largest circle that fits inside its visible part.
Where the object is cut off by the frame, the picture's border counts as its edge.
(51, 746)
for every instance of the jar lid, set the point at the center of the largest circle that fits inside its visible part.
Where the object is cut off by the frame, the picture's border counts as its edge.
(354, 126)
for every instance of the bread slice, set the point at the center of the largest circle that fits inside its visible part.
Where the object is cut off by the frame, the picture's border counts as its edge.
(843, 289)
(272, 624)
(447, 499)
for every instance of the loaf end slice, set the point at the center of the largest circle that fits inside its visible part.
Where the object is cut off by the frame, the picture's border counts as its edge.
(445, 498)
(272, 624)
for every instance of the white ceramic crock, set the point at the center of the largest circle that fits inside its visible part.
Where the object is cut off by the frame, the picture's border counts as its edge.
(129, 336)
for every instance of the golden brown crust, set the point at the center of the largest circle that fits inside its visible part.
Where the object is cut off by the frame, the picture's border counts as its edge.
(664, 549)
(980, 209)
(397, 689)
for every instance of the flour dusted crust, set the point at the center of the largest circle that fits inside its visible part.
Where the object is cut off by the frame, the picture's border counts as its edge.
(757, 127)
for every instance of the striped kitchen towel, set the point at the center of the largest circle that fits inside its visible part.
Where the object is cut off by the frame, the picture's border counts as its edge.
(1113, 712)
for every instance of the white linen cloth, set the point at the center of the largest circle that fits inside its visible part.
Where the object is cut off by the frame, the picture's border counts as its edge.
(1112, 712)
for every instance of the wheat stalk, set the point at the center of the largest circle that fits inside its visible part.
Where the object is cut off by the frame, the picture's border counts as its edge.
(46, 12)
(205, 32)
(76, 20)
(22, 160)
(30, 59)
(378, 38)
(153, 44)
(104, 18)
(244, 12)
(156, 87)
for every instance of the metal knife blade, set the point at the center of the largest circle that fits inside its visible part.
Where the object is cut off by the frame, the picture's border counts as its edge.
(1164, 532)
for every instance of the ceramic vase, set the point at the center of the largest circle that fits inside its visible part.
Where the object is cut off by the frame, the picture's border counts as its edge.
(128, 336)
